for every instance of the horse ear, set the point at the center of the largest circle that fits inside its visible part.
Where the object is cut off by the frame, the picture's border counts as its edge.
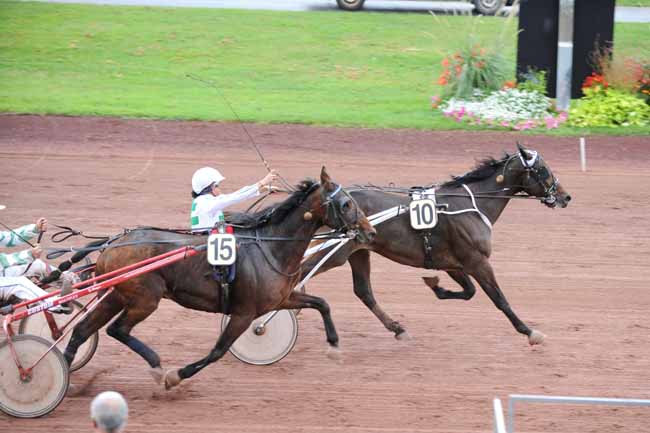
(523, 152)
(324, 177)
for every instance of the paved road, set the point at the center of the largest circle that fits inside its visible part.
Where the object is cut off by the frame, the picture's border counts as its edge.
(623, 14)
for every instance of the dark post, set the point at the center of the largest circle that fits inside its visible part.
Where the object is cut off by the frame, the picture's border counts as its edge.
(593, 26)
(538, 38)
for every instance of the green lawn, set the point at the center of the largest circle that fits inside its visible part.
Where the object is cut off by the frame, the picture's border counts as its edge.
(643, 3)
(350, 69)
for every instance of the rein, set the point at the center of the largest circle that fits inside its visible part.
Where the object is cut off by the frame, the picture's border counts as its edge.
(68, 232)
(409, 191)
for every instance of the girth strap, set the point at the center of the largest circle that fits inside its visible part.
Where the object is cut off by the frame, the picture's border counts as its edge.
(428, 249)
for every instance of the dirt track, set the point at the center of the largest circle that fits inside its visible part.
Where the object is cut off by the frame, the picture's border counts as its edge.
(580, 275)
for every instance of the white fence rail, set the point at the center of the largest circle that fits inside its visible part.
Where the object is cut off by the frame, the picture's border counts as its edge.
(499, 426)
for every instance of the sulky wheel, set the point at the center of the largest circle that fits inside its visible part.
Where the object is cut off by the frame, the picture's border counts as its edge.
(42, 392)
(37, 325)
(264, 345)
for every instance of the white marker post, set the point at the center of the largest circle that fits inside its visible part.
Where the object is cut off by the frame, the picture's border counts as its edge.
(564, 55)
(583, 155)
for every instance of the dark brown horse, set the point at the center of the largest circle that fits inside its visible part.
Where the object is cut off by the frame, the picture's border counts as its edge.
(459, 244)
(271, 244)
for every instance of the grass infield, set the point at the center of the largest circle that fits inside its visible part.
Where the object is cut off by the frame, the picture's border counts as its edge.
(326, 68)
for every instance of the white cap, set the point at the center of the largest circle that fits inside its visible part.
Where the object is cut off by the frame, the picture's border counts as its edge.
(204, 177)
(109, 411)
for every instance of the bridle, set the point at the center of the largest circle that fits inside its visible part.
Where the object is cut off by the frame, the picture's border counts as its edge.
(539, 173)
(334, 212)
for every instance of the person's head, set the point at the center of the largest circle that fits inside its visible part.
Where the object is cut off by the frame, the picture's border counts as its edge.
(206, 180)
(109, 412)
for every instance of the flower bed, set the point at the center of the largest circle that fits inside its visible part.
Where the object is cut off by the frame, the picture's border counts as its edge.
(508, 108)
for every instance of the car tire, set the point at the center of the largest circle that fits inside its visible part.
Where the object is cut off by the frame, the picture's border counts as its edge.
(487, 7)
(350, 5)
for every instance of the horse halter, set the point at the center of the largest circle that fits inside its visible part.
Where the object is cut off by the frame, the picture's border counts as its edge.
(540, 175)
(334, 213)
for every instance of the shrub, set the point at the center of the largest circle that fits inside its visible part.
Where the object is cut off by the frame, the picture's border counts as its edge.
(642, 86)
(471, 68)
(533, 81)
(609, 107)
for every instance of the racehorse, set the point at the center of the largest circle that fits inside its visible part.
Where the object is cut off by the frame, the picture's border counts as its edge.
(459, 244)
(271, 244)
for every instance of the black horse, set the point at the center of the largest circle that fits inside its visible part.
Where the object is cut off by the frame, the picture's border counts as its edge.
(271, 244)
(459, 244)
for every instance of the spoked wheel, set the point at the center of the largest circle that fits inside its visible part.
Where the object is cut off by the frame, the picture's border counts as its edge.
(264, 345)
(37, 325)
(42, 392)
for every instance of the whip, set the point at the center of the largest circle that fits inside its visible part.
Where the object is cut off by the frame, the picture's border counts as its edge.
(250, 137)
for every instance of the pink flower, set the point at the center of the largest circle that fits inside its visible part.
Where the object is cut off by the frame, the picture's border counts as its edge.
(551, 123)
(505, 124)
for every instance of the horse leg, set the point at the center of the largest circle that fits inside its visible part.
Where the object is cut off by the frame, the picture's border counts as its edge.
(298, 300)
(463, 281)
(360, 264)
(100, 316)
(484, 274)
(236, 326)
(121, 328)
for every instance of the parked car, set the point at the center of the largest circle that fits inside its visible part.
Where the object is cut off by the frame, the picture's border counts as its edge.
(484, 7)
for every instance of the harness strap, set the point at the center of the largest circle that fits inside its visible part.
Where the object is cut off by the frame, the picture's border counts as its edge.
(374, 219)
(428, 249)
(485, 219)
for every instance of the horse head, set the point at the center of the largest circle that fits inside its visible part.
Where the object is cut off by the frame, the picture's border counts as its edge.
(538, 179)
(340, 211)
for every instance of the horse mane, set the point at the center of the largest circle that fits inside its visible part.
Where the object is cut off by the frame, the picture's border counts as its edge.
(276, 212)
(484, 169)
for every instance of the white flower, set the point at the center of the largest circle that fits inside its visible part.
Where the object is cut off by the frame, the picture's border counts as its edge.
(509, 105)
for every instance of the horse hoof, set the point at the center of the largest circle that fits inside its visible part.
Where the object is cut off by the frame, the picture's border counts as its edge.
(536, 337)
(403, 336)
(172, 378)
(157, 374)
(335, 354)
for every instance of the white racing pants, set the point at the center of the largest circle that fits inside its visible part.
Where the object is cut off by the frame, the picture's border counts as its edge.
(14, 282)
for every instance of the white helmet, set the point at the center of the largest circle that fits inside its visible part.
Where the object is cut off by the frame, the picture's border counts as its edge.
(204, 177)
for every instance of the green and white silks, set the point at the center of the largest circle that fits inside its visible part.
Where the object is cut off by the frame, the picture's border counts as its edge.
(9, 239)
(207, 209)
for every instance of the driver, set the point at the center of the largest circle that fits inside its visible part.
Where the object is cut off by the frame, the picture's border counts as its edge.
(15, 268)
(209, 203)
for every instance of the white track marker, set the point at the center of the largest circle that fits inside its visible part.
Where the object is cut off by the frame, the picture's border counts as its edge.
(583, 155)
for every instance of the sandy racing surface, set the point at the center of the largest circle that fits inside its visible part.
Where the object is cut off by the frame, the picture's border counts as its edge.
(580, 275)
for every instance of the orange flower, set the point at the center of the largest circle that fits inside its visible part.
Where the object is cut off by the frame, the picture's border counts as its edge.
(509, 85)
(595, 80)
(445, 62)
(442, 80)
